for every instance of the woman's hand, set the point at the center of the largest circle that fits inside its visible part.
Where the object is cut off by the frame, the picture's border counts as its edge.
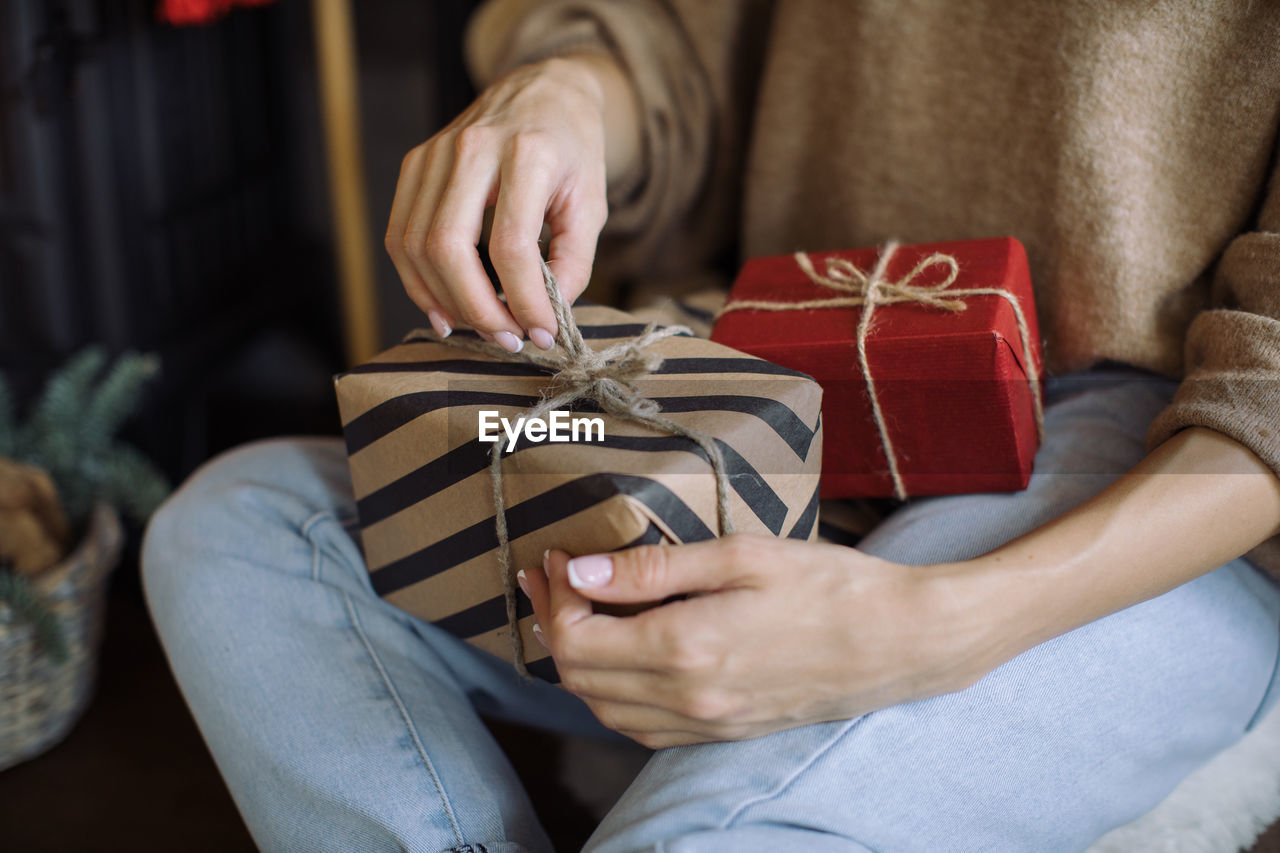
(776, 633)
(532, 146)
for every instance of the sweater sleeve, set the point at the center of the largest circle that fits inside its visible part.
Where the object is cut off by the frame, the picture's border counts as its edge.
(1232, 354)
(693, 66)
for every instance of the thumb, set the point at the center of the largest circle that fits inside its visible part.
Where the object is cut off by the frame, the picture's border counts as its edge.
(650, 573)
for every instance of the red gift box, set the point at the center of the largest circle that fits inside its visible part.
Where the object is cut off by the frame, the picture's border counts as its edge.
(956, 394)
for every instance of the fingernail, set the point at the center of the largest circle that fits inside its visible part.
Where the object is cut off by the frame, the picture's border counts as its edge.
(537, 633)
(543, 338)
(440, 324)
(508, 341)
(524, 583)
(590, 572)
(546, 560)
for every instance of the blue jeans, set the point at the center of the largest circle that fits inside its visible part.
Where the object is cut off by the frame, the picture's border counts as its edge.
(341, 723)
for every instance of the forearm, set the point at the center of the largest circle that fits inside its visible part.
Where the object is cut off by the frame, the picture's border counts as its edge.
(1198, 501)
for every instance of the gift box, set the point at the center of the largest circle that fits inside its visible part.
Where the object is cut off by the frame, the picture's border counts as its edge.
(937, 393)
(412, 419)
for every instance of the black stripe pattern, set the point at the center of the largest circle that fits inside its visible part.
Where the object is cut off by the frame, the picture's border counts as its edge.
(387, 417)
(803, 527)
(671, 366)
(472, 458)
(535, 513)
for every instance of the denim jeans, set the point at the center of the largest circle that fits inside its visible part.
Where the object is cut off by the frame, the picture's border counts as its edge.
(342, 723)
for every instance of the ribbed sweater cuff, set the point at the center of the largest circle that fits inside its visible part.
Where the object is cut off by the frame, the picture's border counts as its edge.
(1233, 388)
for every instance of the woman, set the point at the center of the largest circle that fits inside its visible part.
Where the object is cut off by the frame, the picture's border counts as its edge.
(997, 672)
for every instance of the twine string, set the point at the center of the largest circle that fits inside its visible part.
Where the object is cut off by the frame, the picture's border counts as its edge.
(607, 377)
(868, 291)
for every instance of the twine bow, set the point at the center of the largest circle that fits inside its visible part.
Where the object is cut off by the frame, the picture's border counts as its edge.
(870, 291)
(605, 376)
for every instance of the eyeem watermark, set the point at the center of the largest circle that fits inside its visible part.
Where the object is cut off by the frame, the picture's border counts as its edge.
(556, 426)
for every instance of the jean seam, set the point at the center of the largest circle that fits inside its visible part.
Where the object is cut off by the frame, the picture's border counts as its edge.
(403, 711)
(316, 550)
(796, 774)
(321, 548)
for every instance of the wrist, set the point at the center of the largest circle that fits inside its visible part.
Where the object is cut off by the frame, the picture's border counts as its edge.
(986, 613)
(598, 74)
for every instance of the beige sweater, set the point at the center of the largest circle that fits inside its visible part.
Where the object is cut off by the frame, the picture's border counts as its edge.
(1128, 144)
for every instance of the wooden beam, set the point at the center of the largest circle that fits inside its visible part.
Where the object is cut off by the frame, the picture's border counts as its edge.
(340, 113)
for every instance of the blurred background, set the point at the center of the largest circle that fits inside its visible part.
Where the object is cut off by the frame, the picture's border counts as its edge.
(165, 187)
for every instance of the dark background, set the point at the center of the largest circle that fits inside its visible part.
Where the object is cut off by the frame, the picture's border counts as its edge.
(163, 189)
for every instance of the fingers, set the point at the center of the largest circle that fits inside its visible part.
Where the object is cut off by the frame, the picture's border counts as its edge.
(642, 682)
(437, 257)
(435, 224)
(455, 228)
(684, 706)
(407, 187)
(580, 637)
(569, 625)
(534, 584)
(671, 638)
(532, 146)
(629, 686)
(575, 231)
(644, 721)
(651, 573)
(436, 167)
(663, 740)
(568, 609)
(657, 728)
(444, 188)
(523, 197)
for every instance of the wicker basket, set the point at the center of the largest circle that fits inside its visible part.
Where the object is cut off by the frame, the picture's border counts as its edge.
(39, 700)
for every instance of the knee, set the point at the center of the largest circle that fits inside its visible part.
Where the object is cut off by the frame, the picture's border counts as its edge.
(1100, 433)
(194, 517)
(196, 511)
(236, 502)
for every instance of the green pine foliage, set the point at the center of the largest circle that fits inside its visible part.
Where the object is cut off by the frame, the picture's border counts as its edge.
(115, 399)
(28, 607)
(131, 482)
(48, 439)
(71, 434)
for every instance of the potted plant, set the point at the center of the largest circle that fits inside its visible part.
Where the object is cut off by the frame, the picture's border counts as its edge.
(63, 481)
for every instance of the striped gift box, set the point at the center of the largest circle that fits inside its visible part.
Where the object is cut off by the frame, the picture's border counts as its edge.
(425, 496)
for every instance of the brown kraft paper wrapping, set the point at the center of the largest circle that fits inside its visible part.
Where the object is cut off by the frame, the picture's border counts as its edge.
(425, 497)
